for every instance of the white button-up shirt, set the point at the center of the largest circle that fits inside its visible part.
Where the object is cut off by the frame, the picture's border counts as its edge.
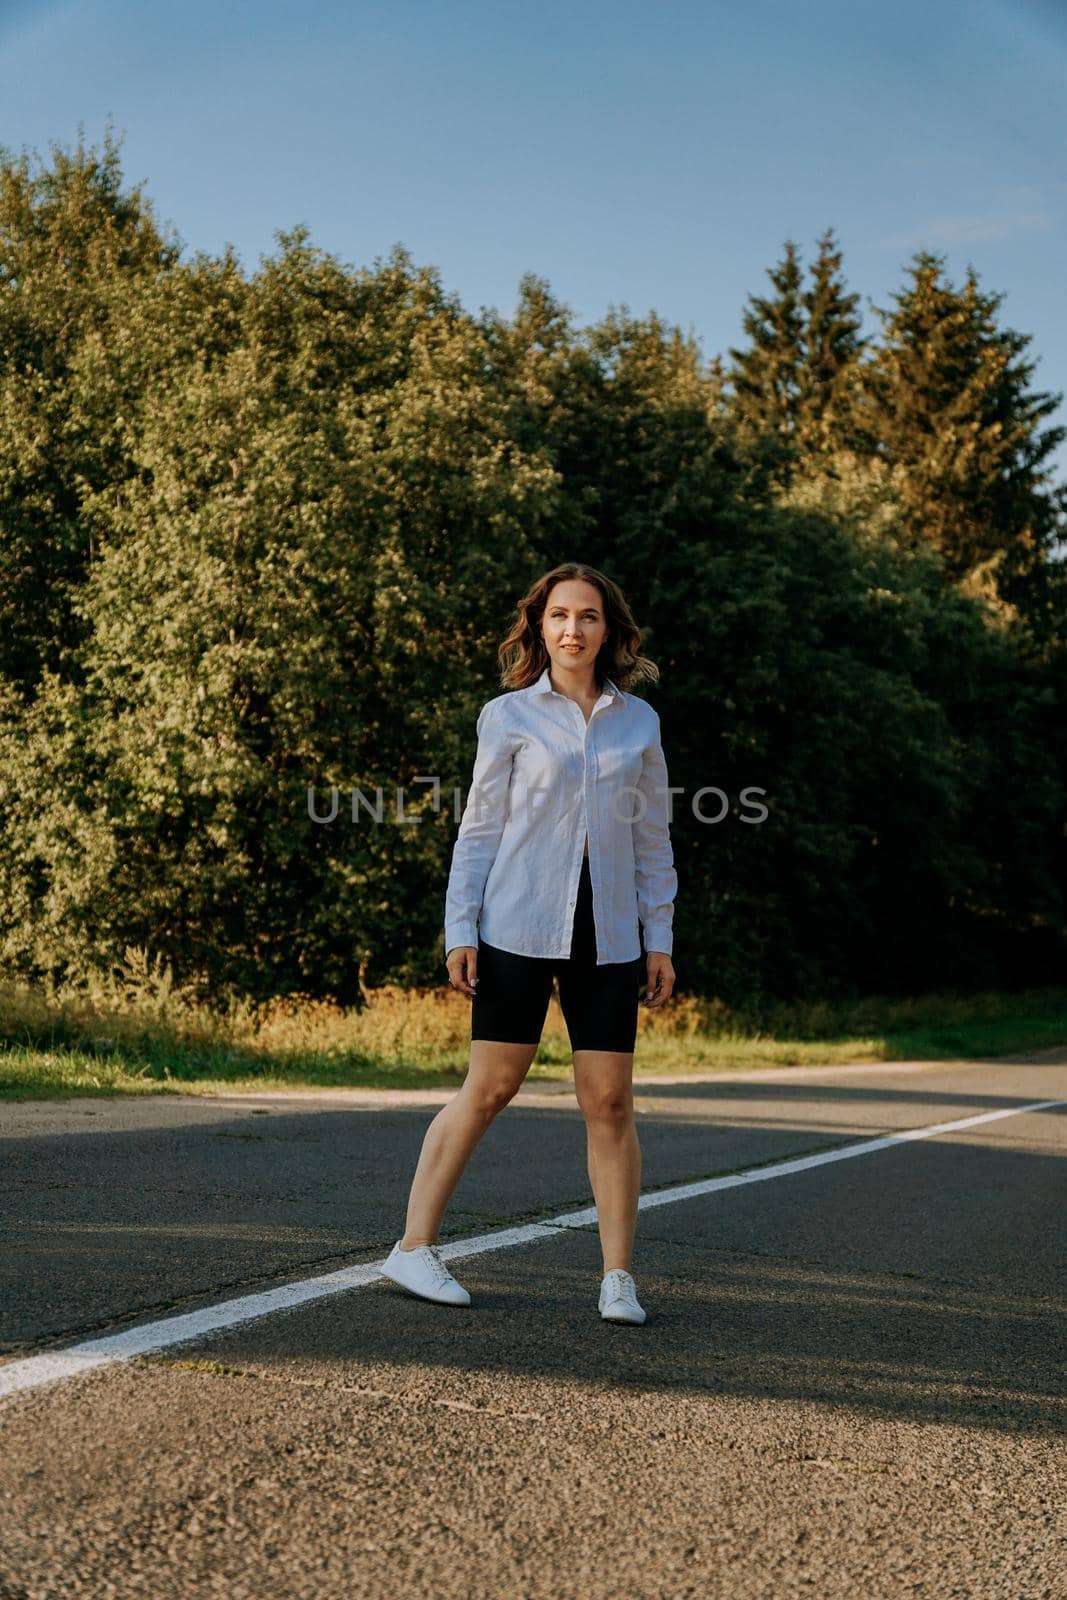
(543, 779)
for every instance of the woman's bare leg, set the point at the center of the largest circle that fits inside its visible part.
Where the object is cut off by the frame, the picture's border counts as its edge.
(493, 1078)
(603, 1080)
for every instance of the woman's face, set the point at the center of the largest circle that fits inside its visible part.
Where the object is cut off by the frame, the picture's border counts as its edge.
(573, 626)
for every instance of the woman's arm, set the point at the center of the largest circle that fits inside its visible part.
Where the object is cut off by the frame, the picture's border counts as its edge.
(657, 881)
(480, 829)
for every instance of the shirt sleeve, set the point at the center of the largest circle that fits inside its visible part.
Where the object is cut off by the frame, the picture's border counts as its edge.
(657, 881)
(480, 829)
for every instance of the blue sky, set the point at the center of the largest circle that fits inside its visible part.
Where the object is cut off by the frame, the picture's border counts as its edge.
(652, 156)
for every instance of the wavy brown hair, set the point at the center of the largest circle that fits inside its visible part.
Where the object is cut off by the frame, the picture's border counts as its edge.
(523, 656)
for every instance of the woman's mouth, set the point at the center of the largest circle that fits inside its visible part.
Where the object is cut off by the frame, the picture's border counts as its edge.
(574, 648)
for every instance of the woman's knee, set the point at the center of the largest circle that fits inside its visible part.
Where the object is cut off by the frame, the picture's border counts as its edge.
(613, 1109)
(496, 1074)
(492, 1097)
(488, 1093)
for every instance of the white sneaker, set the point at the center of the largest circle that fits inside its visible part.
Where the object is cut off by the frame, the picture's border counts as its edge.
(618, 1298)
(421, 1271)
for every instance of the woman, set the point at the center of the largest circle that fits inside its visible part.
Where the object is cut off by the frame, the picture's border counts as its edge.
(563, 847)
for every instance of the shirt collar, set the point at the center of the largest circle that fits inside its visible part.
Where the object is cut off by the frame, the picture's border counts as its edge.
(544, 686)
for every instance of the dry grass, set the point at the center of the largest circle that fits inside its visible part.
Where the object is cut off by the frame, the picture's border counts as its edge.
(134, 1030)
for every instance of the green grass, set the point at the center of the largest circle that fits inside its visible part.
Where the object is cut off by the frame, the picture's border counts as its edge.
(151, 1041)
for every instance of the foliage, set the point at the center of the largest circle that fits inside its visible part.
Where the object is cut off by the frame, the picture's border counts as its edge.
(260, 534)
(946, 397)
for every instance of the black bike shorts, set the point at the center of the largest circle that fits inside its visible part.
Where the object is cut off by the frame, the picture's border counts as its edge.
(599, 1004)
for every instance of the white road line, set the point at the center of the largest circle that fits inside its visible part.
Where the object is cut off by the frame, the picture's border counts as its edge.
(33, 1371)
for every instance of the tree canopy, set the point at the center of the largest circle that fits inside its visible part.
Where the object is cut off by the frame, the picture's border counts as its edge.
(261, 532)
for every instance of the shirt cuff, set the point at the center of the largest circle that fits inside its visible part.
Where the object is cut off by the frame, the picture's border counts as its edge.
(659, 937)
(457, 933)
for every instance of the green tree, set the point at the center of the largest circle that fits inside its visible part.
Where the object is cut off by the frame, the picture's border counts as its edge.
(945, 396)
(791, 385)
(75, 246)
(832, 349)
(319, 531)
(262, 533)
(766, 376)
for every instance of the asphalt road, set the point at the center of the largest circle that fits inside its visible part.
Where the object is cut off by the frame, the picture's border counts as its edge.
(850, 1383)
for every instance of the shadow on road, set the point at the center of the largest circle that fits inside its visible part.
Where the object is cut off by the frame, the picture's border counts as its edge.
(924, 1281)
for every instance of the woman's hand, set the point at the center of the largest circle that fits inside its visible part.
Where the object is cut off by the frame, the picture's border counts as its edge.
(661, 976)
(462, 964)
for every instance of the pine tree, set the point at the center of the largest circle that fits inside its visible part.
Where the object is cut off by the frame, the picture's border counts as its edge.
(791, 385)
(832, 345)
(766, 378)
(946, 398)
